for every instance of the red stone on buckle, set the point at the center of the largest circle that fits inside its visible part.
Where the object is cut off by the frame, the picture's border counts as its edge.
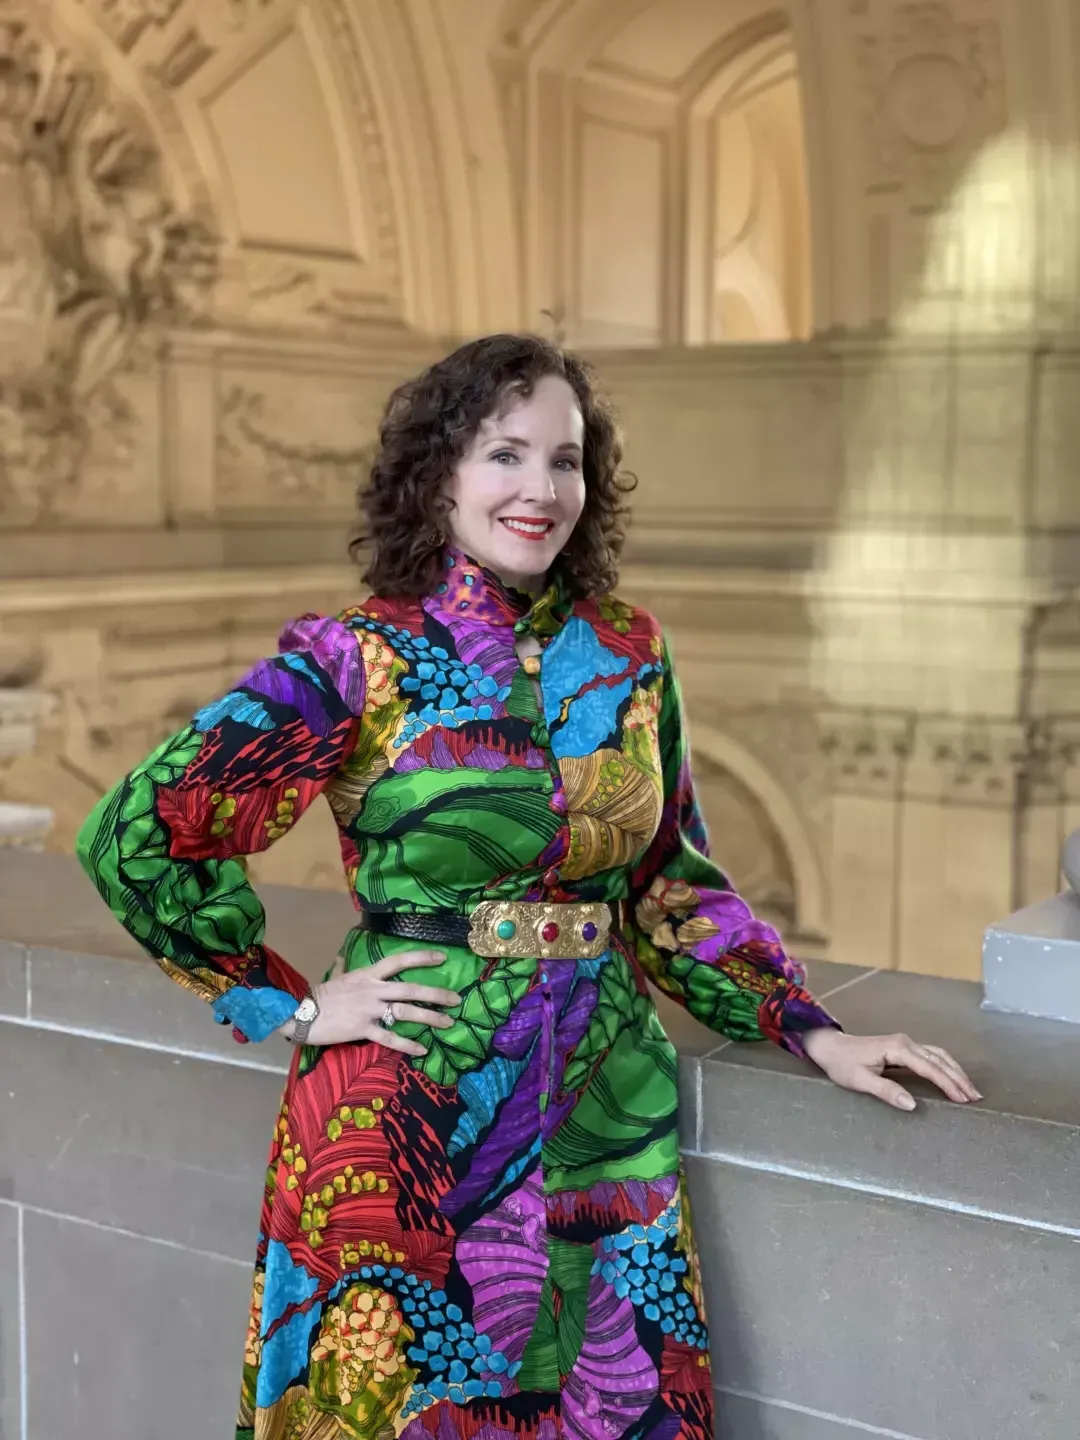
(550, 932)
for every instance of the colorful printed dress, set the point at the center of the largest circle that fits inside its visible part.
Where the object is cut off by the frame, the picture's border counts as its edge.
(492, 1239)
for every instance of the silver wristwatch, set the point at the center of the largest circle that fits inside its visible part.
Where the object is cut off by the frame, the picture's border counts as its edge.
(304, 1017)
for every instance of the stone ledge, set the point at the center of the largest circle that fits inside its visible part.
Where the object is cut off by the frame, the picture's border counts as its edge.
(79, 981)
(1014, 1157)
(847, 1249)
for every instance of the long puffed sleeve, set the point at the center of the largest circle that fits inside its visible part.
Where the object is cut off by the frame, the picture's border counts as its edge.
(162, 846)
(695, 938)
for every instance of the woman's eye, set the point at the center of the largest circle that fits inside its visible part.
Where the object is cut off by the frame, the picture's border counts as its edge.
(568, 464)
(501, 456)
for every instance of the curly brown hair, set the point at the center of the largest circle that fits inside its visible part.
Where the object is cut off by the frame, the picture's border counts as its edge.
(427, 427)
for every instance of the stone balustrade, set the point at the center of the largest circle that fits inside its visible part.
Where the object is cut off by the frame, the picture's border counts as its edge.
(867, 1272)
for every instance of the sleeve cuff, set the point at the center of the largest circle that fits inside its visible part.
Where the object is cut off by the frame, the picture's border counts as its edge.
(788, 1013)
(255, 1013)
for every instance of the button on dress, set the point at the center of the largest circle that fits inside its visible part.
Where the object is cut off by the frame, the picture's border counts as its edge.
(493, 1238)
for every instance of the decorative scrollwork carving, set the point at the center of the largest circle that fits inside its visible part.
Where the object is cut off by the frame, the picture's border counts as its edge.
(867, 751)
(93, 248)
(971, 760)
(290, 471)
(128, 20)
(932, 86)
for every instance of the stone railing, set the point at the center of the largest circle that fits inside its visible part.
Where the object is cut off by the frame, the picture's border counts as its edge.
(854, 1258)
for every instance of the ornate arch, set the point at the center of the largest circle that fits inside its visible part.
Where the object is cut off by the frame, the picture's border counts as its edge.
(727, 73)
(810, 888)
(393, 117)
(564, 35)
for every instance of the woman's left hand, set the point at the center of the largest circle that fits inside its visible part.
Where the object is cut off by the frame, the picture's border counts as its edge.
(859, 1062)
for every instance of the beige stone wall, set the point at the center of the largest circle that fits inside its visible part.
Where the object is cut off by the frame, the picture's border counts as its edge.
(229, 227)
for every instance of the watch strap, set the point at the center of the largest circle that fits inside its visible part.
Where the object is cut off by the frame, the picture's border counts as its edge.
(302, 1025)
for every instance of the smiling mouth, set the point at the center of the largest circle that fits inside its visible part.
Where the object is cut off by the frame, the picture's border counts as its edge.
(530, 529)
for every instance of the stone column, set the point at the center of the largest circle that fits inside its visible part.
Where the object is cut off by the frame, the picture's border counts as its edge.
(1070, 860)
(957, 839)
(191, 425)
(866, 754)
(1067, 738)
(1050, 807)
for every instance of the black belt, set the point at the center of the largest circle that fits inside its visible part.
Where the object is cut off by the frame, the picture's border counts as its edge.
(445, 928)
(540, 929)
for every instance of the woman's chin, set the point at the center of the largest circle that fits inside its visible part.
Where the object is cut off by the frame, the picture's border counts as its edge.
(523, 559)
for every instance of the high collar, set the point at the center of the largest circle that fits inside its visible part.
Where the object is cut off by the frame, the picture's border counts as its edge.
(469, 590)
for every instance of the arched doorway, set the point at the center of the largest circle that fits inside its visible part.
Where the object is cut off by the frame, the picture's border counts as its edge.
(748, 220)
(666, 198)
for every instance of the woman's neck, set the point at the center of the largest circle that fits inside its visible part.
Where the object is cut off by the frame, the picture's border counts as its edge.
(530, 585)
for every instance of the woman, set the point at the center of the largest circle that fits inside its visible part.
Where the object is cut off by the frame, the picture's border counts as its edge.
(474, 1214)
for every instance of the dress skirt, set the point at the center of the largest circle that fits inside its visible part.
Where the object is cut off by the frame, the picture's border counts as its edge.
(505, 1248)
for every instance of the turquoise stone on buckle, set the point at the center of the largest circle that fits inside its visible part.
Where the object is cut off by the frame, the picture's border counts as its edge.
(524, 929)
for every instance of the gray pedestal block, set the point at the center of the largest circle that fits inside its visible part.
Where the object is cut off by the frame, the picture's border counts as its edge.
(1031, 961)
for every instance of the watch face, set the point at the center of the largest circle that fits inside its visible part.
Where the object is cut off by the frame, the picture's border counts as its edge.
(307, 1010)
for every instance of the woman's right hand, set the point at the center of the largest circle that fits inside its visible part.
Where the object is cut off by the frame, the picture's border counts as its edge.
(351, 1006)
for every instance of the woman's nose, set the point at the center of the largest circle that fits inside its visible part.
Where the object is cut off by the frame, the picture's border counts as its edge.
(537, 483)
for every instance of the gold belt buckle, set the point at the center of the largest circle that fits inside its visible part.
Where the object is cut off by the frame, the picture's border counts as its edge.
(521, 929)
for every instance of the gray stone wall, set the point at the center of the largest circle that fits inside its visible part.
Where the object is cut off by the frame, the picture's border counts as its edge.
(867, 1272)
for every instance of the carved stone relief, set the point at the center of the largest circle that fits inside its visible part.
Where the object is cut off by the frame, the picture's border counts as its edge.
(127, 20)
(261, 465)
(297, 295)
(370, 141)
(932, 88)
(185, 57)
(1053, 768)
(968, 760)
(866, 753)
(93, 249)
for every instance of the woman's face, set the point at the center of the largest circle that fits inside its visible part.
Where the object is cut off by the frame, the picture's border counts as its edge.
(519, 490)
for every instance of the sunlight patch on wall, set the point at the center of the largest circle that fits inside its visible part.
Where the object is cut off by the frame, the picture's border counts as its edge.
(925, 583)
